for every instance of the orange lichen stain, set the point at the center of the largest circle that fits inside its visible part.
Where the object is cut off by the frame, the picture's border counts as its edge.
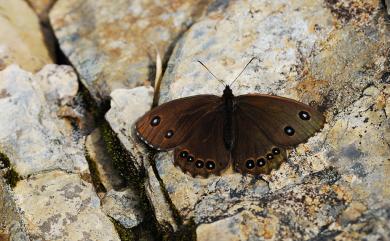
(342, 193)
(311, 85)
(380, 102)
(354, 211)
(115, 53)
(269, 228)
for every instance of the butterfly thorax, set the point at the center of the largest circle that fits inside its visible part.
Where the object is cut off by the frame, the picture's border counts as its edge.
(229, 106)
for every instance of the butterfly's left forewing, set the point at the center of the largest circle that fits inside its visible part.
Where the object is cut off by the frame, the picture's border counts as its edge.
(169, 124)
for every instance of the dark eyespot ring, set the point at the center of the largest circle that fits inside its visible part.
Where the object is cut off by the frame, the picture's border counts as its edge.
(261, 162)
(250, 164)
(270, 156)
(155, 121)
(199, 163)
(210, 165)
(289, 130)
(304, 115)
(190, 158)
(275, 151)
(169, 134)
(183, 154)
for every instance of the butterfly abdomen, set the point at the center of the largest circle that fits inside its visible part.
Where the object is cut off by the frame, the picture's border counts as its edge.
(228, 130)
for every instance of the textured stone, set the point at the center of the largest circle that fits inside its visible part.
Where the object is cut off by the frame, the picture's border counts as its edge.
(162, 210)
(42, 8)
(11, 225)
(126, 107)
(21, 39)
(316, 53)
(108, 175)
(111, 45)
(71, 208)
(123, 206)
(331, 54)
(33, 137)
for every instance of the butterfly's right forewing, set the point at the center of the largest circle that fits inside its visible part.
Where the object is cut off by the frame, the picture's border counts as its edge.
(171, 123)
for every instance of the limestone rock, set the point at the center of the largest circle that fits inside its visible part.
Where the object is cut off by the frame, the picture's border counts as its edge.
(11, 224)
(124, 207)
(320, 55)
(162, 210)
(42, 8)
(126, 107)
(331, 54)
(71, 208)
(108, 175)
(21, 40)
(33, 137)
(112, 45)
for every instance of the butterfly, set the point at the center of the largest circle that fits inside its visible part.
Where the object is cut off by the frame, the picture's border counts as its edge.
(210, 133)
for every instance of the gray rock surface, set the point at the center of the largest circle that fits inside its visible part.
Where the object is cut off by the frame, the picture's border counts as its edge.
(314, 53)
(127, 105)
(33, 137)
(21, 39)
(71, 208)
(113, 45)
(123, 206)
(331, 54)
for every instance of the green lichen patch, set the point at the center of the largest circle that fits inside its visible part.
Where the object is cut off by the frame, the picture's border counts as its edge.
(4, 161)
(97, 183)
(186, 232)
(12, 177)
(123, 163)
(125, 234)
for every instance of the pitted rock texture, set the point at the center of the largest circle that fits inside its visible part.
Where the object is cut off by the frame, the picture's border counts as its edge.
(61, 206)
(11, 224)
(310, 53)
(127, 105)
(42, 8)
(123, 206)
(32, 135)
(21, 39)
(112, 45)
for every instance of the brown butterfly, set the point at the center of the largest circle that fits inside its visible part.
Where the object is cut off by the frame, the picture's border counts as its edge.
(209, 133)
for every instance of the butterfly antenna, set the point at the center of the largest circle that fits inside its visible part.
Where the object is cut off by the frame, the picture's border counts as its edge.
(219, 80)
(242, 71)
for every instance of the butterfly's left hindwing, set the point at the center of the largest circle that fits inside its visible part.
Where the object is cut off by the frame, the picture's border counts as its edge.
(204, 152)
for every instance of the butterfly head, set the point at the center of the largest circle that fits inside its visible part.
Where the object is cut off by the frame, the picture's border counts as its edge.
(227, 92)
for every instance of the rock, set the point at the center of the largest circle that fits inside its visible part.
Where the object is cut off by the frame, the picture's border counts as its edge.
(11, 225)
(105, 169)
(118, 52)
(331, 54)
(23, 43)
(311, 52)
(162, 210)
(123, 206)
(126, 107)
(32, 136)
(241, 226)
(388, 6)
(42, 8)
(72, 208)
